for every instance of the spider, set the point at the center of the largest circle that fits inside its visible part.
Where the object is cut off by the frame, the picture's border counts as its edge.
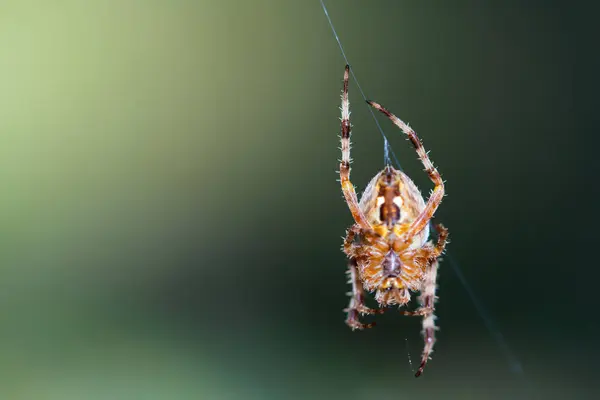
(388, 248)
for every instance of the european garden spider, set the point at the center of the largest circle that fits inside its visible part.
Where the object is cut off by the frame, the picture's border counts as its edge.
(388, 248)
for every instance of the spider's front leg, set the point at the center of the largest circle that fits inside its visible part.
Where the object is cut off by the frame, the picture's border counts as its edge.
(357, 300)
(438, 191)
(347, 187)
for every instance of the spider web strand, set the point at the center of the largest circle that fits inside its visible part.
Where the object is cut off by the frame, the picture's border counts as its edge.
(511, 358)
(386, 146)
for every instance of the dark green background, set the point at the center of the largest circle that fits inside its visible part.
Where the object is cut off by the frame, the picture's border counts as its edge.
(171, 221)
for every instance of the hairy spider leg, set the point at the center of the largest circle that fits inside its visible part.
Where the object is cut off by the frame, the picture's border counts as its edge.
(349, 246)
(428, 297)
(357, 300)
(442, 239)
(438, 191)
(347, 187)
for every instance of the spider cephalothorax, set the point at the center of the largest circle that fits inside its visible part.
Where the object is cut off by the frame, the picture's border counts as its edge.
(388, 246)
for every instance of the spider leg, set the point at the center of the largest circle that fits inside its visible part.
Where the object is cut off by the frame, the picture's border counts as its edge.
(427, 303)
(347, 187)
(357, 300)
(442, 239)
(438, 191)
(349, 246)
(427, 300)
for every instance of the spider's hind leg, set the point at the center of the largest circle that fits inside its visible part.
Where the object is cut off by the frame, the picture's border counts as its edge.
(357, 300)
(428, 297)
(426, 310)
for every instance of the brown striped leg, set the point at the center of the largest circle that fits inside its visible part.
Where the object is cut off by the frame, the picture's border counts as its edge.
(427, 298)
(357, 300)
(427, 301)
(347, 187)
(349, 246)
(438, 191)
(427, 305)
(442, 239)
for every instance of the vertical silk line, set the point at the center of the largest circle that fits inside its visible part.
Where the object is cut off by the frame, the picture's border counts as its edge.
(386, 146)
(514, 364)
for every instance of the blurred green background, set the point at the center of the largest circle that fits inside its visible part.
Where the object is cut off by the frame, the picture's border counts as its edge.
(171, 221)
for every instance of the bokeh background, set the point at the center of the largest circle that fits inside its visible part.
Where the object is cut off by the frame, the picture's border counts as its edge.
(171, 222)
